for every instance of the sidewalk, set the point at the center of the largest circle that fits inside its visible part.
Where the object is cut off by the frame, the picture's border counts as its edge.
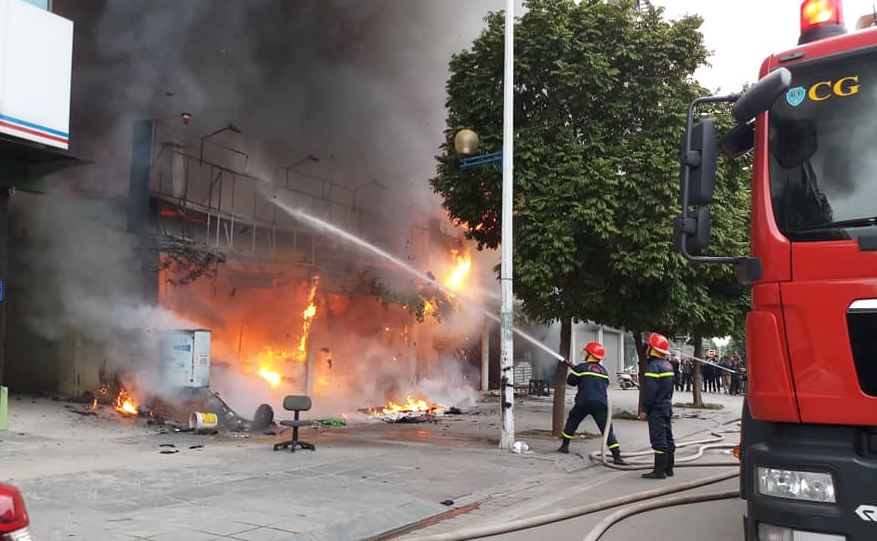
(105, 478)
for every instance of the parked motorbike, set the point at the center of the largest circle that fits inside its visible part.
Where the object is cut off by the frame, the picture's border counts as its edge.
(627, 380)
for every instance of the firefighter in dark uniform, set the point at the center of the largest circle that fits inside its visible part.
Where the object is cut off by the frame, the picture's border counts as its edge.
(658, 406)
(593, 381)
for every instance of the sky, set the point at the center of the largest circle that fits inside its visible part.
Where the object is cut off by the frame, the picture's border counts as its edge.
(742, 33)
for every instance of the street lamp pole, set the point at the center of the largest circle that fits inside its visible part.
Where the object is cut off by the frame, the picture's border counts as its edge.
(507, 379)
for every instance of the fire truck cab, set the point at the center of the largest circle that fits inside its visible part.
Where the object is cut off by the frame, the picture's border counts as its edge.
(808, 452)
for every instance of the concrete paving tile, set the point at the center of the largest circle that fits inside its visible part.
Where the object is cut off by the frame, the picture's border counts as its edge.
(184, 535)
(217, 526)
(262, 534)
(296, 525)
(252, 518)
(141, 528)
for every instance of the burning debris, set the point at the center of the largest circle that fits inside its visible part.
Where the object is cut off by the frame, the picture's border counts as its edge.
(118, 397)
(124, 403)
(412, 410)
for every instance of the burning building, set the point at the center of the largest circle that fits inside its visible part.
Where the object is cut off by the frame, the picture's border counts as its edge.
(212, 112)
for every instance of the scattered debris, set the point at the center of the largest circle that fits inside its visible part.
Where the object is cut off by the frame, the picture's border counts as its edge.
(521, 447)
(84, 413)
(269, 433)
(447, 502)
(199, 446)
(330, 422)
(167, 445)
(169, 451)
(705, 406)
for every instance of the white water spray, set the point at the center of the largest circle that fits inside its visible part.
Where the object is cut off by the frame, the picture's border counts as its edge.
(350, 237)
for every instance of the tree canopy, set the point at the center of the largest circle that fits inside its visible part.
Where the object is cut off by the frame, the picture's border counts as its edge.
(601, 94)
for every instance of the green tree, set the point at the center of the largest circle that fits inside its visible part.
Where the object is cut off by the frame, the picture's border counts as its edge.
(600, 98)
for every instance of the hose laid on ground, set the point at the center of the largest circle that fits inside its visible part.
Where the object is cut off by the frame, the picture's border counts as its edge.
(566, 514)
(559, 516)
(601, 527)
(704, 445)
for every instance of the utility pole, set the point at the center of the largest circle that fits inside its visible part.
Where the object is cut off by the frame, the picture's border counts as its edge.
(507, 379)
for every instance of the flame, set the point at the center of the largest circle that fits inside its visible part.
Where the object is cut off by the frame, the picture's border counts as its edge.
(411, 405)
(461, 270)
(124, 403)
(273, 378)
(428, 307)
(308, 316)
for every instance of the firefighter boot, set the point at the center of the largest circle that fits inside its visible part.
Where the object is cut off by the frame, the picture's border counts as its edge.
(616, 457)
(660, 466)
(564, 447)
(671, 461)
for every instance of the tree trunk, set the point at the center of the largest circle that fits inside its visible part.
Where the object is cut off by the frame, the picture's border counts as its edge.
(643, 356)
(559, 409)
(697, 372)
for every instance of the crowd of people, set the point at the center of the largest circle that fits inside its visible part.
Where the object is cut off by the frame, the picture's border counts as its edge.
(726, 375)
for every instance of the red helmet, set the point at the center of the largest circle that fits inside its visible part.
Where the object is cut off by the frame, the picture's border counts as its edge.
(596, 349)
(659, 343)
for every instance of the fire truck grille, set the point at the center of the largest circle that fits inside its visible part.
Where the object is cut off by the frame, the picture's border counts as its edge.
(862, 326)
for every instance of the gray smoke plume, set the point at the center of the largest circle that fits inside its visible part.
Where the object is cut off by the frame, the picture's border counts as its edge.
(359, 85)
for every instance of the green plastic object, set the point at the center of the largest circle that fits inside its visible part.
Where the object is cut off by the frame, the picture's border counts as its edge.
(331, 422)
(4, 408)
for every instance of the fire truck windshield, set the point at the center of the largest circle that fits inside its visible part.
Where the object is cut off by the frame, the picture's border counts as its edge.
(823, 150)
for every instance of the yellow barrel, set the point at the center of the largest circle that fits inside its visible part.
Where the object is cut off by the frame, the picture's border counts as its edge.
(203, 421)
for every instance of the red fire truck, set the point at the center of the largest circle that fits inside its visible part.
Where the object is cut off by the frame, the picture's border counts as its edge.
(808, 449)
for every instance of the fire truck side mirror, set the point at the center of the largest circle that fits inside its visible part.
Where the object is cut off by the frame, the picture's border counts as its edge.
(762, 95)
(738, 141)
(700, 159)
(696, 230)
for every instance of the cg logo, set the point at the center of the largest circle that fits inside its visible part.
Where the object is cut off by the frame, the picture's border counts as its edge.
(823, 90)
(868, 513)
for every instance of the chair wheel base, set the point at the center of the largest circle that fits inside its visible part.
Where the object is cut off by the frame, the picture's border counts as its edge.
(291, 445)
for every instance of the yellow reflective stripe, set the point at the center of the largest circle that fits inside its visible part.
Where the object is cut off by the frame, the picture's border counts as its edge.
(594, 374)
(567, 436)
(659, 452)
(614, 446)
(574, 373)
(659, 375)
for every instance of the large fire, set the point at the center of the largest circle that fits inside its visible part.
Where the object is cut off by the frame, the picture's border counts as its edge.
(273, 378)
(308, 316)
(267, 363)
(411, 405)
(460, 271)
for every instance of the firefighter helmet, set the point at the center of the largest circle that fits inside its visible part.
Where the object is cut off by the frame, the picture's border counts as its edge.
(596, 349)
(659, 343)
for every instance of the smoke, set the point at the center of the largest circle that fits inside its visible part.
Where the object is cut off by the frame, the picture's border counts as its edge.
(84, 277)
(359, 85)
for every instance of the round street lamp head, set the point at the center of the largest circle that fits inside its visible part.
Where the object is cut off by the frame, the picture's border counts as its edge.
(466, 143)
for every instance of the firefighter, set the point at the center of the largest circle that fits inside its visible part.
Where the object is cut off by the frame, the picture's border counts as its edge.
(592, 381)
(658, 406)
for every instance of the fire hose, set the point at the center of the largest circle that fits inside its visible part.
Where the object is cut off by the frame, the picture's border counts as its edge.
(567, 514)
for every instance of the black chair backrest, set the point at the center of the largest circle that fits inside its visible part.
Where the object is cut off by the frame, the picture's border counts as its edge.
(297, 403)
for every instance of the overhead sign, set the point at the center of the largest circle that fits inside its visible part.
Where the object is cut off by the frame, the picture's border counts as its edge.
(36, 63)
